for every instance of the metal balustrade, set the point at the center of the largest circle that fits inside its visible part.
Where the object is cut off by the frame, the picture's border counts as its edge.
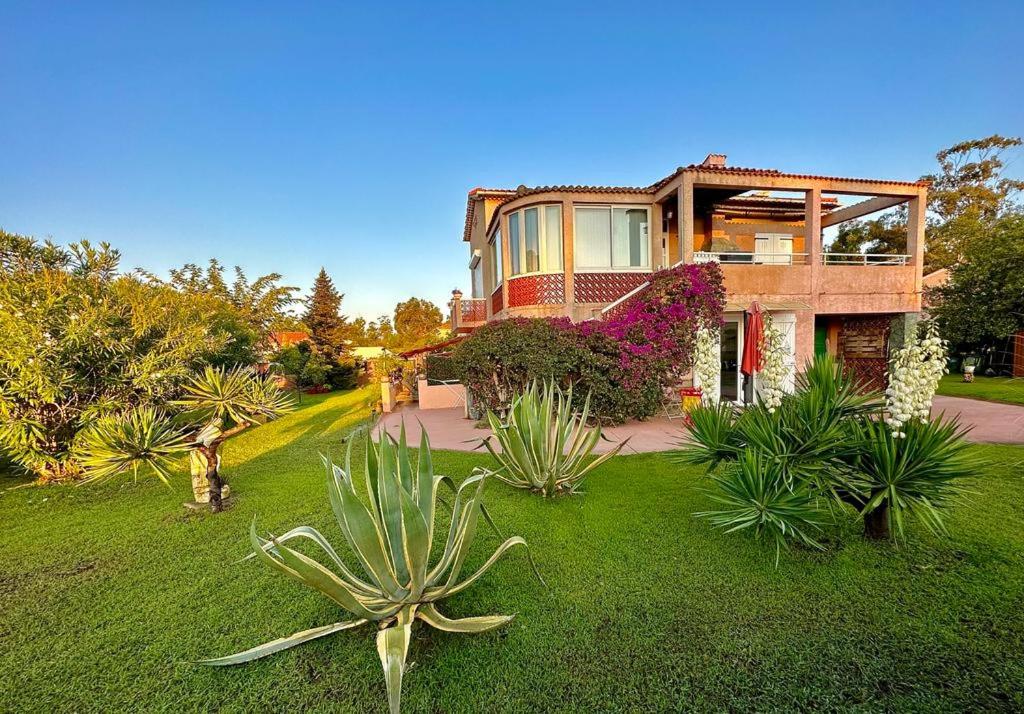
(863, 259)
(726, 257)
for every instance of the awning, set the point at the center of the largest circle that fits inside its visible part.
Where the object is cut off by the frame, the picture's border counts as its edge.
(431, 348)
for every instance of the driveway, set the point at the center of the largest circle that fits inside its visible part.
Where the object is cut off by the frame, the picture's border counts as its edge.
(990, 422)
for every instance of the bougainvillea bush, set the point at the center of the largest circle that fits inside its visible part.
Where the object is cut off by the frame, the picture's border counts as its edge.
(624, 362)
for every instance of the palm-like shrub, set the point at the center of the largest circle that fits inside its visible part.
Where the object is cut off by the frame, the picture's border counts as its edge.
(391, 535)
(754, 496)
(916, 475)
(545, 445)
(825, 449)
(218, 403)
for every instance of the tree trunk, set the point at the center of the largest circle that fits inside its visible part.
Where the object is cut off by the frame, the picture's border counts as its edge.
(213, 476)
(876, 522)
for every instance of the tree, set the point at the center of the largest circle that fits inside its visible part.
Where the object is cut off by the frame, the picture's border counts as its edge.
(217, 405)
(887, 234)
(81, 340)
(323, 315)
(417, 322)
(983, 301)
(968, 194)
(246, 310)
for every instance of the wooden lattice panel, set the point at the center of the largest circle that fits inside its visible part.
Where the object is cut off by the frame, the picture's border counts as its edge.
(536, 290)
(497, 301)
(605, 287)
(474, 311)
(864, 347)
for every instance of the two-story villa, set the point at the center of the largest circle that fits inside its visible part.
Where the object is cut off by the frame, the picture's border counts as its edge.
(576, 250)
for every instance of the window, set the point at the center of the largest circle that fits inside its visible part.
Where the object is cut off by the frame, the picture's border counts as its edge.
(612, 237)
(535, 239)
(495, 256)
(773, 248)
(478, 280)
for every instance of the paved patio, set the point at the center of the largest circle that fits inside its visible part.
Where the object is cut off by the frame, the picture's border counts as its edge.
(448, 429)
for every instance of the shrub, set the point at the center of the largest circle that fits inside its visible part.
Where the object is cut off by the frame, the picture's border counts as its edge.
(825, 445)
(545, 445)
(80, 340)
(624, 363)
(391, 535)
(440, 368)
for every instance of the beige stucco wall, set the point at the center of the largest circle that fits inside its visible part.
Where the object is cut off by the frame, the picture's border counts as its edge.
(440, 396)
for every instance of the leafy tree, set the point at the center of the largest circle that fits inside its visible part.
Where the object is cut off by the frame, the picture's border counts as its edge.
(887, 234)
(82, 340)
(217, 405)
(380, 332)
(417, 322)
(323, 315)
(983, 300)
(248, 311)
(968, 194)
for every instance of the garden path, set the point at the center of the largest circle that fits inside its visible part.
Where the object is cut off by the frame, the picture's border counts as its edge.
(448, 429)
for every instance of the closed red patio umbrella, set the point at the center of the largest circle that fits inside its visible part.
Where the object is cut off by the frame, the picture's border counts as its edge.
(753, 360)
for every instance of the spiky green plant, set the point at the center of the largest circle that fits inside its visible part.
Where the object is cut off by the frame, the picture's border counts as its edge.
(545, 445)
(144, 439)
(754, 496)
(711, 435)
(218, 403)
(390, 534)
(916, 475)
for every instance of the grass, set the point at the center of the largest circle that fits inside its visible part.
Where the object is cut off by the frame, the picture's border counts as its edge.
(109, 593)
(1008, 390)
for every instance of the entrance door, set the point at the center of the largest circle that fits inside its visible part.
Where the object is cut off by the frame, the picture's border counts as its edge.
(731, 386)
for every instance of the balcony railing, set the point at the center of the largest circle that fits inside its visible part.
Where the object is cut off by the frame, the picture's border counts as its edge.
(863, 259)
(474, 310)
(799, 258)
(750, 258)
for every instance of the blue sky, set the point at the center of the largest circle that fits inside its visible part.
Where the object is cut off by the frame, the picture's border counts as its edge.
(286, 136)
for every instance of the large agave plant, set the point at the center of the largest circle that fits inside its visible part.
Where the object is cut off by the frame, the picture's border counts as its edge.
(390, 534)
(545, 445)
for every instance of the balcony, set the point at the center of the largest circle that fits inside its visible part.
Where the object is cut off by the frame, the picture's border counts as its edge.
(750, 258)
(468, 313)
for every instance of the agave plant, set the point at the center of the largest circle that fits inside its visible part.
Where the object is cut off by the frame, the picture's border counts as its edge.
(545, 445)
(218, 403)
(917, 474)
(391, 535)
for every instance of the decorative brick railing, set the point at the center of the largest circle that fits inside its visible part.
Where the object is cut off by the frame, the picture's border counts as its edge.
(547, 289)
(497, 301)
(606, 287)
(474, 310)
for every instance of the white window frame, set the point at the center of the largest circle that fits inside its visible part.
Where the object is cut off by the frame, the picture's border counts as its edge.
(611, 269)
(545, 263)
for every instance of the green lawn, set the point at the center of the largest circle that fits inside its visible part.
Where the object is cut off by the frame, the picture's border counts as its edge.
(108, 593)
(993, 389)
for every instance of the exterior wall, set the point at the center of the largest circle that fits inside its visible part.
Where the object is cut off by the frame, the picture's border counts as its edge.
(440, 396)
(875, 288)
(741, 232)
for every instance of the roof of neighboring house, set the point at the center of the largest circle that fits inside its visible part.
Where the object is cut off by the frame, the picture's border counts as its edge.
(936, 278)
(714, 163)
(366, 352)
(286, 338)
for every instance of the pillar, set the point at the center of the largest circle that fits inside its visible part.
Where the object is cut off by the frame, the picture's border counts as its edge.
(685, 202)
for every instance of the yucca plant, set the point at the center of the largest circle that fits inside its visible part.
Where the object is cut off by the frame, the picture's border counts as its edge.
(545, 445)
(754, 496)
(390, 535)
(218, 403)
(915, 475)
(712, 435)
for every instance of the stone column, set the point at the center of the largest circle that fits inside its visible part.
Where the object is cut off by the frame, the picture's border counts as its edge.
(812, 239)
(456, 308)
(568, 256)
(915, 239)
(685, 194)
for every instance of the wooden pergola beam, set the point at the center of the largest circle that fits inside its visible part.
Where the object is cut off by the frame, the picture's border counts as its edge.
(863, 208)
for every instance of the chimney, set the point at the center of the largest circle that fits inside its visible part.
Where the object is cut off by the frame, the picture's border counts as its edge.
(713, 160)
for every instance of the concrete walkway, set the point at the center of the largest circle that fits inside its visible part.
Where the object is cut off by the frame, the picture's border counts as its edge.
(448, 429)
(991, 422)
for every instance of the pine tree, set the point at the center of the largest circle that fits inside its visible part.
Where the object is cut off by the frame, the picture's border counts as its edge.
(323, 315)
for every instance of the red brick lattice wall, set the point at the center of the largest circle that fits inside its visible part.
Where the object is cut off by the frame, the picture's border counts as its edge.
(497, 302)
(1018, 355)
(536, 290)
(605, 287)
(474, 311)
(864, 347)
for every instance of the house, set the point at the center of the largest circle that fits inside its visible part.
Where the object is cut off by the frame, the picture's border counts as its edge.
(286, 338)
(574, 251)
